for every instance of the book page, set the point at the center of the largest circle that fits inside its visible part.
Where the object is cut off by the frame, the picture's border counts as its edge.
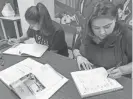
(40, 70)
(34, 49)
(94, 81)
(47, 73)
(95, 84)
(14, 72)
(51, 79)
(14, 50)
(18, 77)
(28, 86)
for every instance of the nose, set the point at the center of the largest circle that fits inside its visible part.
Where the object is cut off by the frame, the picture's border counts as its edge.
(102, 31)
(31, 26)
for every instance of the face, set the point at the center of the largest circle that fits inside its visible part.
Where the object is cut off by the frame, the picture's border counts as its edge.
(102, 27)
(34, 25)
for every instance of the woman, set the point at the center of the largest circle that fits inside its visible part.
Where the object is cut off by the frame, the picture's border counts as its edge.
(105, 42)
(44, 30)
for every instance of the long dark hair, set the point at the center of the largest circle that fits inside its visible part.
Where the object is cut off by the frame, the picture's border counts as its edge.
(40, 14)
(103, 8)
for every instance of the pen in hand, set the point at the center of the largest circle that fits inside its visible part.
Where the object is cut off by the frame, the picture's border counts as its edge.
(114, 68)
(117, 66)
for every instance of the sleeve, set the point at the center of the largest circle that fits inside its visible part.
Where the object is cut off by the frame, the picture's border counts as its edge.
(30, 32)
(82, 39)
(58, 40)
(78, 42)
(128, 45)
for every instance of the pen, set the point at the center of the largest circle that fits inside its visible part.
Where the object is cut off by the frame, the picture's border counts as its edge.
(115, 67)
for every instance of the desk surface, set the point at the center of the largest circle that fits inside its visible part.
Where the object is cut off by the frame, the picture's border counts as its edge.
(13, 18)
(64, 66)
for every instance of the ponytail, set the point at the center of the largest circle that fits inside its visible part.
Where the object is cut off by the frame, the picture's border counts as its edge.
(45, 20)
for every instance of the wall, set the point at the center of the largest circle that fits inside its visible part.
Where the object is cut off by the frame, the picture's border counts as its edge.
(25, 4)
(71, 3)
(9, 26)
(50, 6)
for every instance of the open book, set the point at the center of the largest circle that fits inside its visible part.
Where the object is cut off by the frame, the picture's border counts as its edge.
(30, 79)
(34, 49)
(94, 82)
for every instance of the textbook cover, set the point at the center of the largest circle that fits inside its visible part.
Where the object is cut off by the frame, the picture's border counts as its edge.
(30, 79)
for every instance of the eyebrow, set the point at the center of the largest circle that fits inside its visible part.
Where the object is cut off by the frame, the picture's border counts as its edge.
(104, 25)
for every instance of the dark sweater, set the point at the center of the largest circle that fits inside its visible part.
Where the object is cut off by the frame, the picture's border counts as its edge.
(111, 50)
(56, 41)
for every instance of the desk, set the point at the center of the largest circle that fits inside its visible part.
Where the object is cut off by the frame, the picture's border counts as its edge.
(14, 19)
(64, 65)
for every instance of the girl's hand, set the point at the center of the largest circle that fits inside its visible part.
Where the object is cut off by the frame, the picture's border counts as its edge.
(115, 73)
(13, 41)
(83, 63)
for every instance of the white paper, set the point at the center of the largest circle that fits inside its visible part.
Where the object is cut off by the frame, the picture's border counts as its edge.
(35, 49)
(51, 79)
(95, 81)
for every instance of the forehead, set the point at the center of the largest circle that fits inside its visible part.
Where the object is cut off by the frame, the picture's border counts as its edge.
(102, 21)
(31, 22)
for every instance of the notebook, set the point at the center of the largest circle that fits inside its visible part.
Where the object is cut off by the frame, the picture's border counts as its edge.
(94, 82)
(30, 79)
(34, 49)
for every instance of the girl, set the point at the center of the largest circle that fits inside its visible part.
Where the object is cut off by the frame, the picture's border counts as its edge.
(105, 42)
(44, 30)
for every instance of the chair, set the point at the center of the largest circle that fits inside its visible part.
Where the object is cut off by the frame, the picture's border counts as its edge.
(71, 35)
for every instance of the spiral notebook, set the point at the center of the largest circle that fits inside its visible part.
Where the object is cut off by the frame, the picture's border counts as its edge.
(94, 82)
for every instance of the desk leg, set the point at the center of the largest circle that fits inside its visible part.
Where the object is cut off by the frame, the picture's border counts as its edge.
(16, 29)
(3, 28)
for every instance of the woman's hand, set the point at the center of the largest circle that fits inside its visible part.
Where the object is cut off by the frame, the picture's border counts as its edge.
(83, 63)
(13, 41)
(115, 73)
(121, 70)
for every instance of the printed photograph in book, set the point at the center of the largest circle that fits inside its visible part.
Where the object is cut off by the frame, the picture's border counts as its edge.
(27, 86)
